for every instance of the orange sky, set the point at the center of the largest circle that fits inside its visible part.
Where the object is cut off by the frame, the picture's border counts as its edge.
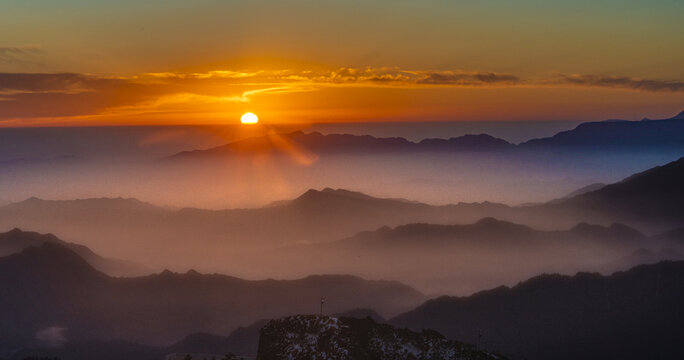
(207, 62)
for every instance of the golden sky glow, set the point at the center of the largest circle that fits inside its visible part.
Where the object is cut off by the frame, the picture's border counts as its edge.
(172, 62)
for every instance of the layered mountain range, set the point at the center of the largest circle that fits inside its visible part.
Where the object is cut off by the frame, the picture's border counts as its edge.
(67, 294)
(49, 289)
(294, 236)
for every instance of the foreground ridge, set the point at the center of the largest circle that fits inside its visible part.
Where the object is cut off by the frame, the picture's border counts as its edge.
(306, 337)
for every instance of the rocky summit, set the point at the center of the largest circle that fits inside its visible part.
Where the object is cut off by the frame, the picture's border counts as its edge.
(305, 337)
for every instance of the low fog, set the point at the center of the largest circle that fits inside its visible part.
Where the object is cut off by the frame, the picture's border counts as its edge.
(509, 178)
(254, 216)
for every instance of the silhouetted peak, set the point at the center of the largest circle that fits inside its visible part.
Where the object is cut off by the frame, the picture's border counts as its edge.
(329, 193)
(616, 230)
(14, 232)
(309, 196)
(679, 116)
(52, 258)
(346, 193)
(18, 234)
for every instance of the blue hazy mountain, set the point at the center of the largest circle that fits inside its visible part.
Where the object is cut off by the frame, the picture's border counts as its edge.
(654, 196)
(663, 134)
(318, 143)
(621, 134)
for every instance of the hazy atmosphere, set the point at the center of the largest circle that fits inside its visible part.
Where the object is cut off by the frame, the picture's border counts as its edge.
(341, 180)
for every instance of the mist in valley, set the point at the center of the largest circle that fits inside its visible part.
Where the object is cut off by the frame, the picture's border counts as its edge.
(442, 222)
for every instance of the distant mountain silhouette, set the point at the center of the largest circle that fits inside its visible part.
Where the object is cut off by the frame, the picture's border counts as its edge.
(51, 286)
(623, 134)
(118, 227)
(488, 232)
(17, 240)
(314, 337)
(635, 135)
(457, 258)
(654, 196)
(317, 143)
(634, 314)
(652, 202)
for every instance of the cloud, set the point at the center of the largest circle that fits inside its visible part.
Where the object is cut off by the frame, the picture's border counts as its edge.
(28, 95)
(14, 83)
(19, 54)
(55, 95)
(468, 78)
(621, 82)
(343, 76)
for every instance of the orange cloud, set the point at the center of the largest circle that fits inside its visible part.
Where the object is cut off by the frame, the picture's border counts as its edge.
(65, 97)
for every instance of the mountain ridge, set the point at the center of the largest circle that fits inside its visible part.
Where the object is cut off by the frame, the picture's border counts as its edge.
(16, 240)
(317, 143)
(627, 314)
(597, 134)
(71, 294)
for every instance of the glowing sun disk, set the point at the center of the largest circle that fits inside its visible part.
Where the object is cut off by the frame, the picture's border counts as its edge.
(249, 118)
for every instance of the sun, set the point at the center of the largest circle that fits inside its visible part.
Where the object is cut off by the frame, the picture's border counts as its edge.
(249, 118)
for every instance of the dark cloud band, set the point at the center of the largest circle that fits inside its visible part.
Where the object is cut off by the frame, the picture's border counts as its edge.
(622, 82)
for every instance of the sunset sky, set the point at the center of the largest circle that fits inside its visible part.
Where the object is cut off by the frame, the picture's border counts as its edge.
(86, 62)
